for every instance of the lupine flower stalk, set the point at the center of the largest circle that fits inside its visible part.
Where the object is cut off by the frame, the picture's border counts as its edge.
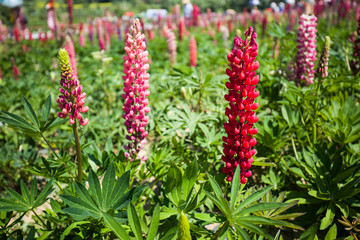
(171, 41)
(306, 55)
(355, 63)
(324, 59)
(70, 11)
(91, 32)
(71, 102)
(136, 85)
(240, 129)
(181, 28)
(193, 51)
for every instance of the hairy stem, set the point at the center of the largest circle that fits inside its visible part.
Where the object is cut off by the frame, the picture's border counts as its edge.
(39, 218)
(78, 151)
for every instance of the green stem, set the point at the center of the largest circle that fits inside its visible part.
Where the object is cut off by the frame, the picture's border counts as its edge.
(219, 231)
(78, 151)
(50, 146)
(39, 218)
(316, 106)
(56, 154)
(15, 222)
(294, 148)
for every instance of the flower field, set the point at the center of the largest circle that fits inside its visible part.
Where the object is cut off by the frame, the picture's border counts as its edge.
(226, 125)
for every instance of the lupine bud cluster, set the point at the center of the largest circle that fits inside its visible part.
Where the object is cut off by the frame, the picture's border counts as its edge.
(306, 55)
(72, 100)
(136, 85)
(240, 128)
(324, 59)
(171, 41)
(193, 51)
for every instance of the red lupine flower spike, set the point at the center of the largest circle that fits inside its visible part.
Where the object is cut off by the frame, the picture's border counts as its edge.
(240, 128)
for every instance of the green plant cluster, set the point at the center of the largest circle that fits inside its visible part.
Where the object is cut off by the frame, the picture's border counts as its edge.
(306, 173)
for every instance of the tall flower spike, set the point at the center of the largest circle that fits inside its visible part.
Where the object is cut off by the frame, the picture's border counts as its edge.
(171, 41)
(71, 101)
(306, 55)
(324, 59)
(69, 47)
(355, 63)
(136, 85)
(193, 52)
(240, 128)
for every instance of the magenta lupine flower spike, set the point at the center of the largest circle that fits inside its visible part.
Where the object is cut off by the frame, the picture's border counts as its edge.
(355, 63)
(171, 41)
(306, 55)
(72, 100)
(240, 128)
(324, 59)
(136, 85)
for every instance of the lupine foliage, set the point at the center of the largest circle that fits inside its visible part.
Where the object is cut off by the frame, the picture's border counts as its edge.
(305, 179)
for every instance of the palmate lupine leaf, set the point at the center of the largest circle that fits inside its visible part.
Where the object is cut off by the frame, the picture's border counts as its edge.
(27, 200)
(102, 201)
(38, 126)
(242, 215)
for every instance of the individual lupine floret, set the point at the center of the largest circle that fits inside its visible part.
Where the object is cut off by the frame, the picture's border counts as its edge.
(72, 99)
(324, 59)
(193, 51)
(306, 55)
(136, 85)
(240, 128)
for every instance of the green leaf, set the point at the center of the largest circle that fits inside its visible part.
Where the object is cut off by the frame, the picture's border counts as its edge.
(16, 196)
(115, 227)
(30, 112)
(134, 221)
(261, 207)
(56, 122)
(43, 194)
(255, 229)
(154, 223)
(108, 145)
(46, 110)
(68, 230)
(173, 185)
(25, 192)
(84, 195)
(78, 203)
(235, 185)
(220, 196)
(242, 232)
(189, 178)
(252, 198)
(33, 190)
(120, 187)
(310, 233)
(332, 233)
(108, 186)
(94, 187)
(18, 122)
(329, 217)
(45, 235)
